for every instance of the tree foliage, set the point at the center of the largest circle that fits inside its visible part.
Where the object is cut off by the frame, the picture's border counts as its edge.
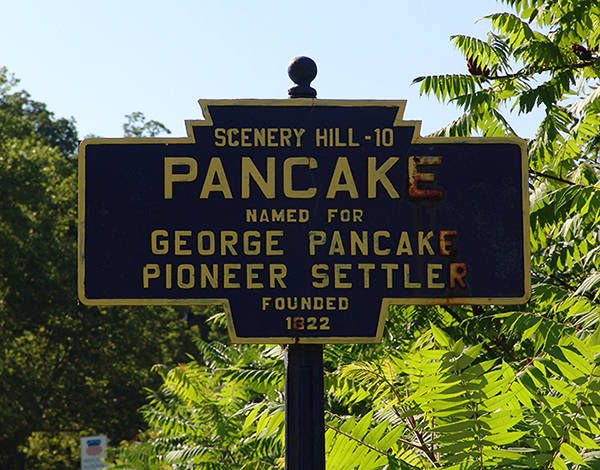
(137, 126)
(450, 387)
(65, 370)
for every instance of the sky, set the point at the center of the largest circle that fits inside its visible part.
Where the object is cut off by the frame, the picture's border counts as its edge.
(97, 61)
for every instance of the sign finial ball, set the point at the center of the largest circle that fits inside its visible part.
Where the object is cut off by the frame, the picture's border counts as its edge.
(302, 70)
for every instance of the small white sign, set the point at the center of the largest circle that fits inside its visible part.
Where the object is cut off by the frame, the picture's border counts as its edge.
(93, 450)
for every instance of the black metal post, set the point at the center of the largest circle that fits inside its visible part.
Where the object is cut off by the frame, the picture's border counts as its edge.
(304, 408)
(304, 390)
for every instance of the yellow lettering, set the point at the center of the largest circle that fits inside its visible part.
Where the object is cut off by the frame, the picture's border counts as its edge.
(159, 247)
(229, 276)
(376, 175)
(171, 177)
(277, 216)
(277, 272)
(367, 268)
(351, 142)
(229, 238)
(458, 271)
(339, 276)
(288, 189)
(338, 143)
(251, 275)
(266, 186)
(446, 245)
(250, 215)
(215, 168)
(361, 244)
(231, 141)
(407, 283)
(168, 276)
(264, 216)
(284, 137)
(432, 276)
(272, 242)
(414, 177)
(336, 247)
(271, 136)
(191, 278)
(151, 271)
(316, 238)
(180, 243)
(323, 276)
(376, 249)
(321, 138)
(220, 141)
(251, 247)
(389, 268)
(246, 137)
(342, 168)
(210, 236)
(404, 245)
(260, 138)
(211, 277)
(298, 133)
(424, 243)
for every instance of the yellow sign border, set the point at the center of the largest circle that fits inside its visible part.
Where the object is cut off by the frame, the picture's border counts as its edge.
(303, 102)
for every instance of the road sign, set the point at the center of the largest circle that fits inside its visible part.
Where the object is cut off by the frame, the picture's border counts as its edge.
(93, 450)
(305, 219)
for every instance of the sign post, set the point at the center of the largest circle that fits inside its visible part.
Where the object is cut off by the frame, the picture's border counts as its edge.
(304, 389)
(305, 219)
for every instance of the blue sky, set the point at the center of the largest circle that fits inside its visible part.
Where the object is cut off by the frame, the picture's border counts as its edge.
(99, 60)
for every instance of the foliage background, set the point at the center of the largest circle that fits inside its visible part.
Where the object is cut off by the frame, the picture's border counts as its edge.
(65, 370)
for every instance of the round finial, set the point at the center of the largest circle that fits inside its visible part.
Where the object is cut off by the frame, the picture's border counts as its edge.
(302, 70)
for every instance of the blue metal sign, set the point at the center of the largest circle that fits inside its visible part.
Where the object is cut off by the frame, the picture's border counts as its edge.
(305, 219)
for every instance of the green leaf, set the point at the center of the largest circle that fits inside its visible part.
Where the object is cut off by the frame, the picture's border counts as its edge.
(362, 426)
(375, 434)
(510, 455)
(576, 360)
(457, 447)
(559, 464)
(387, 441)
(568, 370)
(568, 451)
(469, 356)
(504, 438)
(442, 338)
(594, 339)
(250, 418)
(368, 462)
(582, 440)
(498, 402)
(455, 427)
(501, 421)
(275, 421)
